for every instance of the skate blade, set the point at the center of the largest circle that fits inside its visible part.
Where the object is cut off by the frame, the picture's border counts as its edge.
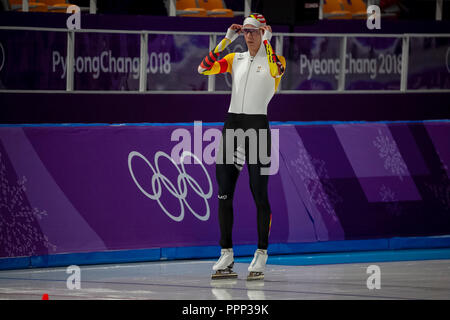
(223, 275)
(255, 276)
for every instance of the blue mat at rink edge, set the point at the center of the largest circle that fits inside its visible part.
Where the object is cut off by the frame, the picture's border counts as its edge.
(329, 252)
(144, 124)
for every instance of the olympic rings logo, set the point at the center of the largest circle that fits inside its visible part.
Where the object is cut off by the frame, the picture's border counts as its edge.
(179, 191)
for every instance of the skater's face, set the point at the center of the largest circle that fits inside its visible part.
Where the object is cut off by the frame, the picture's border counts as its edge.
(252, 37)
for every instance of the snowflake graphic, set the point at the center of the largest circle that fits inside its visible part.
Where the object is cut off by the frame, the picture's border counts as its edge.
(392, 204)
(19, 235)
(387, 150)
(441, 190)
(315, 176)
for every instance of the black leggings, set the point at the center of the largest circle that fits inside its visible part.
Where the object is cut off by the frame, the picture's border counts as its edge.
(227, 173)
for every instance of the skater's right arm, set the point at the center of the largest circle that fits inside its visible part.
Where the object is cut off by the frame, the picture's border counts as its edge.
(211, 63)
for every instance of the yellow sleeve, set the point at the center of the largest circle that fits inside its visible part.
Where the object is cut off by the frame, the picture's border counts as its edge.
(275, 65)
(277, 80)
(221, 66)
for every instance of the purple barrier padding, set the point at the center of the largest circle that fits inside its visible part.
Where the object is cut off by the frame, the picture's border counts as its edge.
(73, 189)
(172, 108)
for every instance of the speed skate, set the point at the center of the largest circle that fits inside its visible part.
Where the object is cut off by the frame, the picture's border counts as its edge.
(226, 273)
(255, 276)
(224, 266)
(256, 268)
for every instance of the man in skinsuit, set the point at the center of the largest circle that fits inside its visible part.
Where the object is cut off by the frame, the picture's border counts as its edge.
(256, 75)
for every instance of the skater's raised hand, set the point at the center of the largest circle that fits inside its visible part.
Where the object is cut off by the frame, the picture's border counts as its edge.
(236, 27)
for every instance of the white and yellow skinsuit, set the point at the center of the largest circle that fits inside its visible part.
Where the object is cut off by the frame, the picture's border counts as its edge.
(263, 71)
(255, 80)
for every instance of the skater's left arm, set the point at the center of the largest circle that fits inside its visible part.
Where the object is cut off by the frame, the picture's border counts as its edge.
(277, 64)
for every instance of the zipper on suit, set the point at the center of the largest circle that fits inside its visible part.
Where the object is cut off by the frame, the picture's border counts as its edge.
(246, 80)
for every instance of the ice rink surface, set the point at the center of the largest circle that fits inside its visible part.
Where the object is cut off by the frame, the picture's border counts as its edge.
(191, 280)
